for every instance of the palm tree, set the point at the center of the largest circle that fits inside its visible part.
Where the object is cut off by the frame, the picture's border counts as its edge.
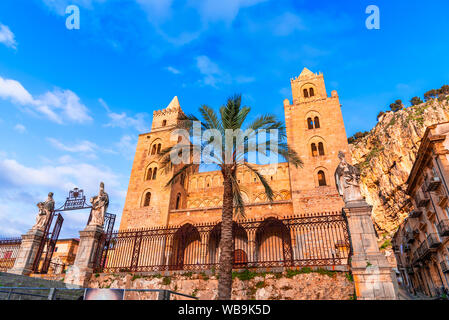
(231, 116)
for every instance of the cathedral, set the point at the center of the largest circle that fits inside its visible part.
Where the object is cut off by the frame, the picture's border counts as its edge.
(315, 130)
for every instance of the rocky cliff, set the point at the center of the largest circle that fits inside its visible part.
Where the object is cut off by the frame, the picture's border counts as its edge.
(386, 155)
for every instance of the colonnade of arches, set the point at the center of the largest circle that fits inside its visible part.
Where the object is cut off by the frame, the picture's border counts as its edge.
(270, 242)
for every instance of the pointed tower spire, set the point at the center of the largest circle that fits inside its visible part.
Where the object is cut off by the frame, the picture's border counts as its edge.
(174, 104)
(306, 73)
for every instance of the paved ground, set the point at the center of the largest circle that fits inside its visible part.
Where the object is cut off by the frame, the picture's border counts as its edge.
(405, 295)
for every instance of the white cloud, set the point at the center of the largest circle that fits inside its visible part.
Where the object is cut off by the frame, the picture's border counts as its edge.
(173, 70)
(122, 120)
(213, 75)
(22, 186)
(57, 105)
(7, 37)
(226, 11)
(127, 146)
(287, 24)
(83, 146)
(13, 90)
(20, 128)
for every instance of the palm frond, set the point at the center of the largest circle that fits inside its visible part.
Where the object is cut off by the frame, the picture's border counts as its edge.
(178, 173)
(268, 191)
(239, 205)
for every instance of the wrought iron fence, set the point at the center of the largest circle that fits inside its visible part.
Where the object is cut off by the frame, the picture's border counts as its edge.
(9, 248)
(311, 240)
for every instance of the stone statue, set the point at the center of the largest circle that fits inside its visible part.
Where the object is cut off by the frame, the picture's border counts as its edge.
(100, 205)
(45, 210)
(347, 179)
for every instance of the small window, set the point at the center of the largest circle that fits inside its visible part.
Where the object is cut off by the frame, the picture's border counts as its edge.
(312, 92)
(309, 123)
(56, 249)
(316, 122)
(314, 150)
(178, 201)
(147, 200)
(154, 173)
(159, 146)
(321, 148)
(306, 93)
(321, 179)
(164, 123)
(153, 150)
(150, 174)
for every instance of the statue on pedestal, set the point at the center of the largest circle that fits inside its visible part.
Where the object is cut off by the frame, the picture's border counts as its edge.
(100, 205)
(45, 210)
(347, 179)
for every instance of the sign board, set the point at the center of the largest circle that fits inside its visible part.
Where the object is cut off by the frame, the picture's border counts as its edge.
(104, 294)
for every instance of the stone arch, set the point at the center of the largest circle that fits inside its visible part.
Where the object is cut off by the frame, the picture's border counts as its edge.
(314, 144)
(149, 171)
(155, 145)
(145, 200)
(313, 120)
(285, 194)
(308, 90)
(273, 242)
(186, 248)
(240, 244)
(327, 177)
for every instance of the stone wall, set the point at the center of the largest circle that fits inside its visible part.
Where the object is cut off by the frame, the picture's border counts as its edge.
(304, 284)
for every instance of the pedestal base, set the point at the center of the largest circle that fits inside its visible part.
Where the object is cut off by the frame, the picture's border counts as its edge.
(31, 241)
(373, 277)
(80, 273)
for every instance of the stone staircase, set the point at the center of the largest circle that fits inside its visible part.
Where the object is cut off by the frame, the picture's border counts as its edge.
(13, 280)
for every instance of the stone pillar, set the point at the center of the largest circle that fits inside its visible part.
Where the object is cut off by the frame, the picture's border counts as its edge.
(374, 279)
(80, 272)
(23, 264)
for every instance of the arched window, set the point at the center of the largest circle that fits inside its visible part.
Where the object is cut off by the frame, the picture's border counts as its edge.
(154, 173)
(309, 123)
(178, 201)
(164, 123)
(321, 148)
(153, 150)
(314, 150)
(312, 92)
(316, 122)
(306, 93)
(147, 200)
(159, 146)
(149, 174)
(321, 179)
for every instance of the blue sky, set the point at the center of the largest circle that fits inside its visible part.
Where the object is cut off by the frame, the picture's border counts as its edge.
(74, 101)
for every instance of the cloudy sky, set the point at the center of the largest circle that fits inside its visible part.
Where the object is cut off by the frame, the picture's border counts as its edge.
(73, 101)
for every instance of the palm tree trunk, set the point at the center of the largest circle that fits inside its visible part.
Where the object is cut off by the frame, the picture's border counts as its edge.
(226, 259)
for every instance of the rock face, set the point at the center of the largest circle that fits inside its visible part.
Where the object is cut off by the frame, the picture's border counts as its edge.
(386, 155)
(305, 286)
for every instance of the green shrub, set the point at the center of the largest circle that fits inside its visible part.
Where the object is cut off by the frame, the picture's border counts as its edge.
(260, 284)
(166, 281)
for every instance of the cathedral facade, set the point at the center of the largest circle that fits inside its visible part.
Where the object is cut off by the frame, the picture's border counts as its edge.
(315, 130)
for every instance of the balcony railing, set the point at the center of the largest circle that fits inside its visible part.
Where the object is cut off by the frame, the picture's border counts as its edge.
(433, 183)
(444, 266)
(433, 241)
(423, 250)
(416, 213)
(409, 236)
(443, 228)
(442, 201)
(422, 201)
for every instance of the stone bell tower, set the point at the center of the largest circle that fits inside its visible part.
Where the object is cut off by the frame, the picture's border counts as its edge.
(148, 200)
(315, 130)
